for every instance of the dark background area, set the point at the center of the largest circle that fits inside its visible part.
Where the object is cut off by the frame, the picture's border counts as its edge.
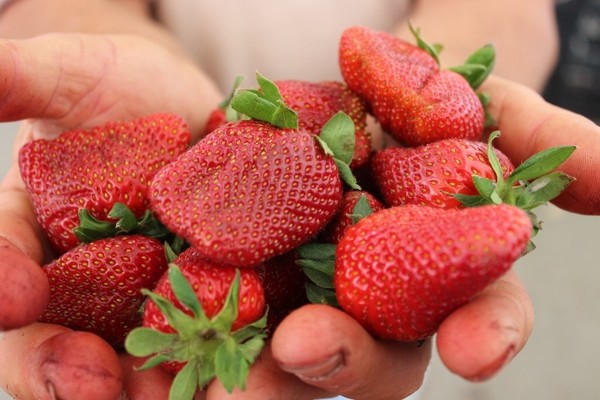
(575, 84)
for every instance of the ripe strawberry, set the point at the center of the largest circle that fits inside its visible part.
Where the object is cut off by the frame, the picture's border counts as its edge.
(96, 287)
(252, 190)
(431, 174)
(411, 97)
(284, 284)
(402, 270)
(317, 102)
(94, 169)
(247, 192)
(348, 214)
(203, 320)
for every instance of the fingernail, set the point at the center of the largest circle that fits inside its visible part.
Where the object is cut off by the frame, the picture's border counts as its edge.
(319, 371)
(492, 368)
(51, 390)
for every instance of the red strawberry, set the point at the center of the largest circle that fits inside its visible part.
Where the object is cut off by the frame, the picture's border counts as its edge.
(348, 215)
(284, 284)
(402, 270)
(202, 320)
(94, 169)
(317, 102)
(431, 174)
(96, 287)
(247, 192)
(411, 97)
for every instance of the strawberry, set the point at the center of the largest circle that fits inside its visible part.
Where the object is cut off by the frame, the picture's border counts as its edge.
(203, 320)
(284, 284)
(96, 168)
(355, 204)
(317, 102)
(431, 174)
(455, 173)
(402, 270)
(96, 287)
(252, 190)
(314, 103)
(413, 99)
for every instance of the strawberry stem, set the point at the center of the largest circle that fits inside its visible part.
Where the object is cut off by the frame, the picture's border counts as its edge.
(123, 222)
(265, 104)
(207, 345)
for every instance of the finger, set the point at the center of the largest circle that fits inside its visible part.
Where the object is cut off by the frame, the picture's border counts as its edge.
(267, 381)
(326, 348)
(477, 340)
(25, 289)
(43, 78)
(67, 81)
(153, 383)
(45, 361)
(528, 125)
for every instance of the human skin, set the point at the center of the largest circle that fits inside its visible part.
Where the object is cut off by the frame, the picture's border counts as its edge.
(341, 356)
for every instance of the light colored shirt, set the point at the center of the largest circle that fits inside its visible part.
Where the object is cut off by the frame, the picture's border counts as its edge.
(281, 39)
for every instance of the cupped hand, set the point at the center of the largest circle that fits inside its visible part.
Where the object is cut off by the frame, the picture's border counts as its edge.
(317, 351)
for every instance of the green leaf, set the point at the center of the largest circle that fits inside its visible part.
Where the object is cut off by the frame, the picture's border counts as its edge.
(319, 295)
(478, 66)
(347, 175)
(493, 159)
(265, 105)
(432, 50)
(317, 251)
(223, 321)
(184, 292)
(126, 219)
(185, 383)
(253, 105)
(178, 320)
(226, 103)
(361, 209)
(142, 342)
(154, 361)
(269, 88)
(231, 366)
(339, 134)
(252, 347)
(322, 277)
(487, 189)
(543, 189)
(91, 228)
(541, 163)
(284, 117)
(470, 200)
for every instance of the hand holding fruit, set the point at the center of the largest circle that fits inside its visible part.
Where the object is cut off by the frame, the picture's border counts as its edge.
(319, 347)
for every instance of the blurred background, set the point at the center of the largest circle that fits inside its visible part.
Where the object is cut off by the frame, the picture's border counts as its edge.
(562, 359)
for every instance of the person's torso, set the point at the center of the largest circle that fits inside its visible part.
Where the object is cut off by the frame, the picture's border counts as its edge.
(283, 39)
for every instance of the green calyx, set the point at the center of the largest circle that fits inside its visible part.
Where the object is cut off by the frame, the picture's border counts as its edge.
(318, 261)
(225, 105)
(207, 346)
(124, 223)
(533, 183)
(477, 66)
(264, 104)
(338, 140)
(337, 137)
(433, 50)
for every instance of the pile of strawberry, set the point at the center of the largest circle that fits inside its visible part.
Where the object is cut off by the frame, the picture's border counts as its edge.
(283, 201)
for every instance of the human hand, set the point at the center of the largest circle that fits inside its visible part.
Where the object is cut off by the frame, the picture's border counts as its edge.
(503, 328)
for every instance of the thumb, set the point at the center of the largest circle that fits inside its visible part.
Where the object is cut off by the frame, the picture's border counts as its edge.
(326, 348)
(46, 76)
